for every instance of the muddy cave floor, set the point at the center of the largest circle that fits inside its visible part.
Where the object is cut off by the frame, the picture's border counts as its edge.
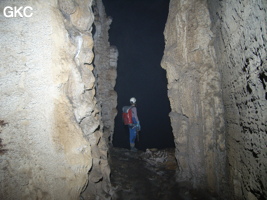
(149, 175)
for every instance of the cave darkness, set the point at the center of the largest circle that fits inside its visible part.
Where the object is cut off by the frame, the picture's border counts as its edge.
(137, 31)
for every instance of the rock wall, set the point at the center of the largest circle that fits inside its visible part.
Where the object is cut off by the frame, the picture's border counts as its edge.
(51, 132)
(240, 44)
(105, 70)
(215, 57)
(195, 95)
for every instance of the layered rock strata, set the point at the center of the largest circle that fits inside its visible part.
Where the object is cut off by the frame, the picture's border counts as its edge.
(51, 134)
(195, 95)
(240, 42)
(105, 70)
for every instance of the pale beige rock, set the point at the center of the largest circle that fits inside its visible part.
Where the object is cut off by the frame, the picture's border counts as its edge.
(82, 18)
(240, 42)
(195, 94)
(105, 72)
(105, 69)
(67, 6)
(216, 70)
(48, 101)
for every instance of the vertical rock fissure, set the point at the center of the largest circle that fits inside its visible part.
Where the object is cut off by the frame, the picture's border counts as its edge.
(58, 102)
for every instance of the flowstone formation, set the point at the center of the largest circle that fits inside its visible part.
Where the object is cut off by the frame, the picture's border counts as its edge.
(215, 58)
(52, 144)
(195, 95)
(105, 70)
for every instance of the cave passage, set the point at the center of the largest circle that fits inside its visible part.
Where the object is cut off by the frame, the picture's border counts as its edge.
(58, 103)
(137, 31)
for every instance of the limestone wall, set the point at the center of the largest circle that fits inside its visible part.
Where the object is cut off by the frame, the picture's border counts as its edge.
(51, 135)
(105, 70)
(215, 57)
(240, 44)
(195, 95)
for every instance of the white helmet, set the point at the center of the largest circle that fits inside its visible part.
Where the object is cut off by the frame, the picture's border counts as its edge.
(132, 100)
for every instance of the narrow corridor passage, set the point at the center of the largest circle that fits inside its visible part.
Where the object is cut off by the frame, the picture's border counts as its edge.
(198, 70)
(148, 175)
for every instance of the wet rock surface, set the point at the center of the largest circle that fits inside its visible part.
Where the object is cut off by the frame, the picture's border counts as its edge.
(148, 175)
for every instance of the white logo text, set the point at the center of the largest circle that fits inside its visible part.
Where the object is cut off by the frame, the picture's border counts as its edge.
(17, 11)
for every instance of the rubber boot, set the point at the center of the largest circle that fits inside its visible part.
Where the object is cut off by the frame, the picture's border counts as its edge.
(132, 147)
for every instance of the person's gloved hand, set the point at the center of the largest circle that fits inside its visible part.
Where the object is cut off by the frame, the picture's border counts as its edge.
(138, 126)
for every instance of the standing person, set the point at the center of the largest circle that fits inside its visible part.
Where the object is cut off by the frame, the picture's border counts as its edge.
(135, 126)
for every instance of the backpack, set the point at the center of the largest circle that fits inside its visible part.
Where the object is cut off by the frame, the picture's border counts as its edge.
(127, 115)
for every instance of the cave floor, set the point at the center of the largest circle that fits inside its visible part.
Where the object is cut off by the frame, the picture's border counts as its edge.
(148, 175)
